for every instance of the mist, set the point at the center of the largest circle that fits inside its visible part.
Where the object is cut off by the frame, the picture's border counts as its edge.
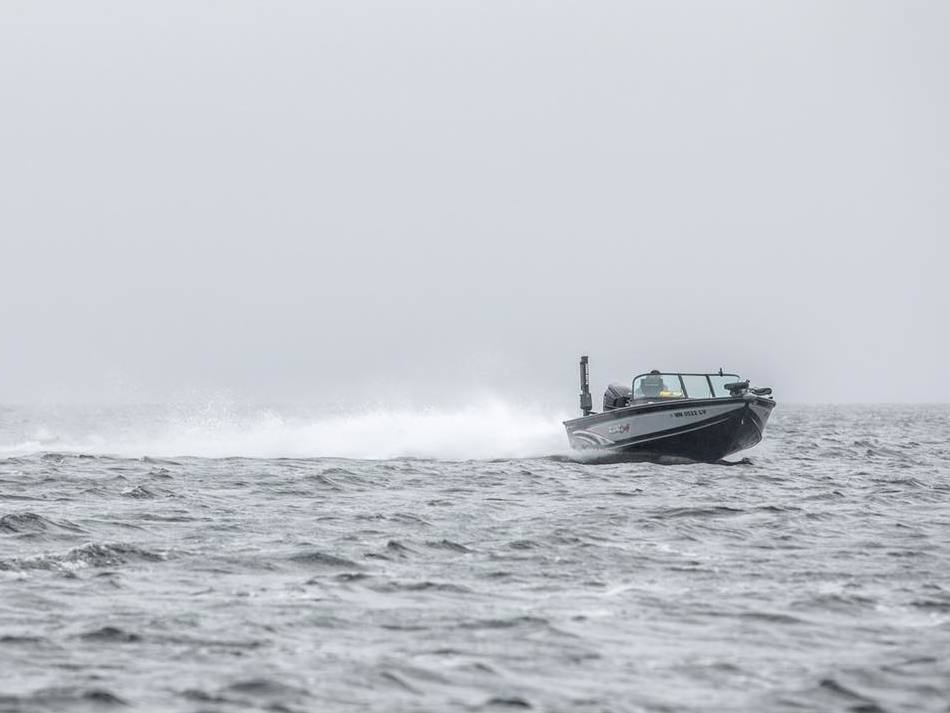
(430, 202)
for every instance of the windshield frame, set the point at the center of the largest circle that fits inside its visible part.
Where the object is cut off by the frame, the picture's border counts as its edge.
(678, 375)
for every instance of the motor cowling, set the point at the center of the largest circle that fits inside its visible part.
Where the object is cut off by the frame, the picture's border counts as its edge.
(616, 396)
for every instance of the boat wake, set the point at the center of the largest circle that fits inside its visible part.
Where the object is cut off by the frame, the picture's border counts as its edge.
(486, 429)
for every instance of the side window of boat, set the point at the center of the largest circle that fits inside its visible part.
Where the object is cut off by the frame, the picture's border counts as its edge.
(719, 383)
(696, 386)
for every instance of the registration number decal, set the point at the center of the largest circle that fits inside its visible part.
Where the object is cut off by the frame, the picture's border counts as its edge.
(696, 412)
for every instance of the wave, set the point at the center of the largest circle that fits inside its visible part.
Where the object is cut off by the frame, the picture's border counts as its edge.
(92, 554)
(31, 523)
(485, 429)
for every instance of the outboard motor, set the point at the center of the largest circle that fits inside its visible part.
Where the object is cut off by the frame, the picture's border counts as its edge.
(616, 396)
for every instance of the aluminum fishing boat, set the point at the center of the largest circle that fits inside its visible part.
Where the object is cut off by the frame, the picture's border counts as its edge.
(699, 417)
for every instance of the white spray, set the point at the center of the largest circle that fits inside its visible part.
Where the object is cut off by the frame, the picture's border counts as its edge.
(482, 429)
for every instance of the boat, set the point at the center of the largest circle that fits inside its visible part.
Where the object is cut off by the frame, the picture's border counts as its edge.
(671, 415)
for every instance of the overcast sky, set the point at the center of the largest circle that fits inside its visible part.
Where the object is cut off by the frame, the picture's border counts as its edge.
(292, 201)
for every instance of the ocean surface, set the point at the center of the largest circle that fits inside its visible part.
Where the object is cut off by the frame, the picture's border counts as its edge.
(173, 560)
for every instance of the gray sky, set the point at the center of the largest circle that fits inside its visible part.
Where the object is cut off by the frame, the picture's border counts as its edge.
(291, 201)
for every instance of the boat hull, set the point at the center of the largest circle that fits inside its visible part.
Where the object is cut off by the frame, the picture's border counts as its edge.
(695, 429)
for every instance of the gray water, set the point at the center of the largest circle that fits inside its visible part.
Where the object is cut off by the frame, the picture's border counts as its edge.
(816, 578)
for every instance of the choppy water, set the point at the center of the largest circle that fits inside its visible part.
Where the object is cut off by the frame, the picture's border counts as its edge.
(817, 578)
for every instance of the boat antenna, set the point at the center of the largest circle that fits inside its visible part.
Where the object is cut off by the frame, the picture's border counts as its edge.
(586, 403)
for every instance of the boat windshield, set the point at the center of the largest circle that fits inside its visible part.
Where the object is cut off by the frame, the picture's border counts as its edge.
(682, 386)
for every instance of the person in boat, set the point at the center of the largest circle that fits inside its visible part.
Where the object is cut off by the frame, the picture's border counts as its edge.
(651, 386)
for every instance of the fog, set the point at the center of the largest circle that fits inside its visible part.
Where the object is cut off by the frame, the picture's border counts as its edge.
(423, 202)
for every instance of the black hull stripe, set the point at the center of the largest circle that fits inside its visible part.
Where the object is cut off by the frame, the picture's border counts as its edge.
(673, 431)
(756, 421)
